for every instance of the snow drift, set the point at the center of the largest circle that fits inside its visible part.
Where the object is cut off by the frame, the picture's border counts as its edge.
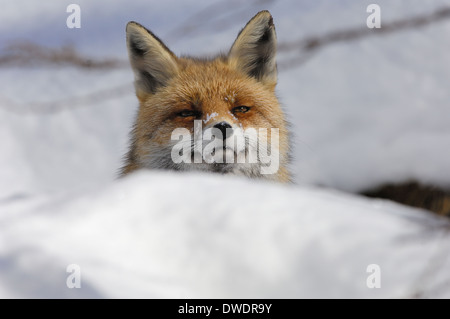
(167, 235)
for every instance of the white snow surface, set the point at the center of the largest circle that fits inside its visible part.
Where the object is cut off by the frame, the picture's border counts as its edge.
(167, 235)
(363, 113)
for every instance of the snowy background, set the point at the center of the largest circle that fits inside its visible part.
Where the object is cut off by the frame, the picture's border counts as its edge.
(363, 113)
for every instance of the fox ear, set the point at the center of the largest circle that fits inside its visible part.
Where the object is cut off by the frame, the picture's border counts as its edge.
(254, 50)
(152, 62)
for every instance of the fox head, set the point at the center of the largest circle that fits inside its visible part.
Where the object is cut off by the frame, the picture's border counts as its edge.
(218, 115)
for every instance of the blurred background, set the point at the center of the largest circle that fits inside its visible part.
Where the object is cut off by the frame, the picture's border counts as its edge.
(367, 106)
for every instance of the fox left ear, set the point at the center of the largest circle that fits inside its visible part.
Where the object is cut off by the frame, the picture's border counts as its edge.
(254, 50)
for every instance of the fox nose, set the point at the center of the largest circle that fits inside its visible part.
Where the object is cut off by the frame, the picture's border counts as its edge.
(223, 126)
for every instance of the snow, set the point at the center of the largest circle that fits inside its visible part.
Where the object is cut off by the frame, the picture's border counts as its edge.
(363, 113)
(168, 235)
(210, 117)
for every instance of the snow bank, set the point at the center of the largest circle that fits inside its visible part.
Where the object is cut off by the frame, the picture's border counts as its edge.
(169, 235)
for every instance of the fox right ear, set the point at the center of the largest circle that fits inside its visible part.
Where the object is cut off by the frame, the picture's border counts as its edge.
(255, 49)
(152, 62)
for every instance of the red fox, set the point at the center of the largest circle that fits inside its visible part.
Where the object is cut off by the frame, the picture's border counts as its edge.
(233, 95)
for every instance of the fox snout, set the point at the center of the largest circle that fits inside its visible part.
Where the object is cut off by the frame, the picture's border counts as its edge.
(225, 128)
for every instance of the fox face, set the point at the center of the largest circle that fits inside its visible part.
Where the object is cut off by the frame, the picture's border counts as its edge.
(217, 115)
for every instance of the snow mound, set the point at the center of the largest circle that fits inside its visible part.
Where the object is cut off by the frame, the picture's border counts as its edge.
(156, 234)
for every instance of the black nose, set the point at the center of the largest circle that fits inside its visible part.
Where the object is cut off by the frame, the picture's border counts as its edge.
(225, 128)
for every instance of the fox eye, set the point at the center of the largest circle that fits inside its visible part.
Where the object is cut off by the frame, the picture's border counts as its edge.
(188, 113)
(241, 109)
